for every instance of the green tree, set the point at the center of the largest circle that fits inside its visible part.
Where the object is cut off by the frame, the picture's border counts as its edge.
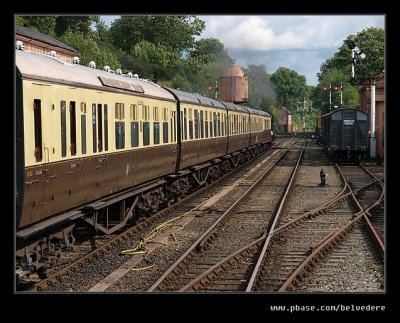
(210, 50)
(174, 32)
(182, 83)
(43, 24)
(160, 57)
(372, 42)
(89, 50)
(290, 87)
(102, 33)
(79, 24)
(334, 77)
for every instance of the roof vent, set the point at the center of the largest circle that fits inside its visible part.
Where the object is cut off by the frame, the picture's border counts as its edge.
(76, 60)
(107, 69)
(129, 74)
(135, 76)
(53, 53)
(118, 71)
(92, 64)
(19, 45)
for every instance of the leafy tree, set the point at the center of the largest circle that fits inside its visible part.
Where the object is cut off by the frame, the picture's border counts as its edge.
(43, 24)
(182, 83)
(102, 33)
(174, 32)
(334, 78)
(75, 24)
(372, 42)
(160, 57)
(290, 87)
(89, 50)
(210, 50)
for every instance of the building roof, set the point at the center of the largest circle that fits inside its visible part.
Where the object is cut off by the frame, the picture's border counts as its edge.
(233, 71)
(34, 34)
(285, 109)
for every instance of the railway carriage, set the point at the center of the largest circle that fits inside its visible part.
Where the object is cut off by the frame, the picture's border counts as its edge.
(107, 149)
(344, 133)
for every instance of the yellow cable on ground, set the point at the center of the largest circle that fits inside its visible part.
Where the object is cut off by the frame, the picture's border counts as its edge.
(144, 268)
(140, 248)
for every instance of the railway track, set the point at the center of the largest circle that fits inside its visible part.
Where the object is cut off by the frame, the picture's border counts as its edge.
(248, 219)
(348, 242)
(244, 269)
(353, 264)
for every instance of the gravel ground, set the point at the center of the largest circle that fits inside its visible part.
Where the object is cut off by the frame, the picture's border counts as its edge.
(352, 267)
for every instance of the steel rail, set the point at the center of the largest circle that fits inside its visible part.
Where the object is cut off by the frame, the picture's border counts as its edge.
(277, 215)
(208, 235)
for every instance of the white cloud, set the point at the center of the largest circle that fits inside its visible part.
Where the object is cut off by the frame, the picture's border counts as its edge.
(286, 32)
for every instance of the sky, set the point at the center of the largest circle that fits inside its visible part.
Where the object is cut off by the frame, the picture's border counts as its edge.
(301, 43)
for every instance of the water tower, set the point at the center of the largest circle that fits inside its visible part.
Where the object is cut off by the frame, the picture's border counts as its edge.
(234, 85)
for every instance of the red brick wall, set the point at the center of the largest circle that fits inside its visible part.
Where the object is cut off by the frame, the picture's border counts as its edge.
(365, 105)
(43, 48)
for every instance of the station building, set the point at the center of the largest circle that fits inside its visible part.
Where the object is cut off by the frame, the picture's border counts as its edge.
(285, 120)
(365, 105)
(35, 41)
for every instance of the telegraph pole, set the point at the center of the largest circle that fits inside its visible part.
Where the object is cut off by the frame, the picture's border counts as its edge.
(357, 53)
(303, 110)
(341, 95)
(372, 144)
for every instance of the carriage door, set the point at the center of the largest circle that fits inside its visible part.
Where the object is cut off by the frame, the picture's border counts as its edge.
(349, 128)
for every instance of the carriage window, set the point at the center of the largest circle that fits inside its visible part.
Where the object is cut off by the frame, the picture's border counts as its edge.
(94, 127)
(196, 124)
(119, 126)
(134, 112)
(222, 125)
(156, 126)
(38, 129)
(119, 111)
(165, 125)
(100, 128)
(156, 132)
(206, 124)
(146, 133)
(219, 124)
(190, 124)
(174, 125)
(119, 135)
(134, 134)
(146, 113)
(105, 127)
(83, 127)
(63, 128)
(72, 127)
(201, 124)
(185, 124)
(165, 132)
(155, 114)
(211, 126)
(215, 123)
